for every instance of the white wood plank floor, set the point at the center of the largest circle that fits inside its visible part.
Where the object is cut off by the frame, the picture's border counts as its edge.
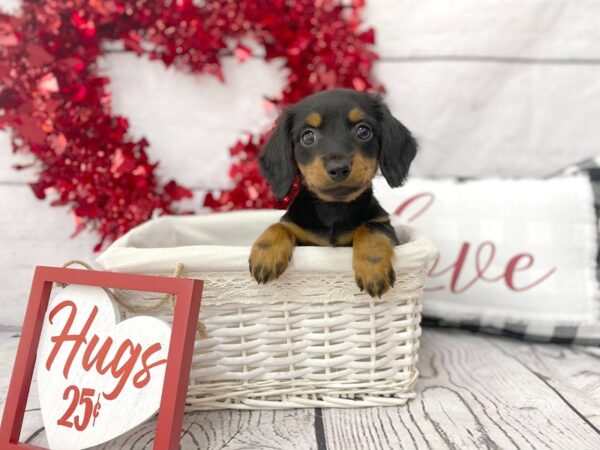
(474, 392)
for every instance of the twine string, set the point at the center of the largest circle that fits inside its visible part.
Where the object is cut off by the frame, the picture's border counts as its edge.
(138, 309)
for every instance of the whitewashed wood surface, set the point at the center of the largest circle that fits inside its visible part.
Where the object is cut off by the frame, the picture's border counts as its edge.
(474, 392)
(490, 87)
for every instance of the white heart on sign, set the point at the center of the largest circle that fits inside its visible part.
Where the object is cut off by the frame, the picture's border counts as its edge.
(125, 364)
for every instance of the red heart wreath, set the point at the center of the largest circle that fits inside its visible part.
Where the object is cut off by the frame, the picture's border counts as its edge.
(59, 109)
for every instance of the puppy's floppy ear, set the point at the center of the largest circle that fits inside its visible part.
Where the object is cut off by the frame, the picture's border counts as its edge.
(276, 159)
(397, 148)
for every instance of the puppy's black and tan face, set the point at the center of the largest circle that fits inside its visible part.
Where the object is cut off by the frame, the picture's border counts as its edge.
(336, 145)
(336, 140)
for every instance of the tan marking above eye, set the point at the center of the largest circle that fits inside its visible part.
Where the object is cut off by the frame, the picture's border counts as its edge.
(314, 120)
(356, 115)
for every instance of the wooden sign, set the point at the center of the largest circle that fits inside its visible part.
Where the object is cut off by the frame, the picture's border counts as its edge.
(97, 376)
(110, 373)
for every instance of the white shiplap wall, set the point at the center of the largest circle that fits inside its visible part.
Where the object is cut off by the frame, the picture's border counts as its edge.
(490, 87)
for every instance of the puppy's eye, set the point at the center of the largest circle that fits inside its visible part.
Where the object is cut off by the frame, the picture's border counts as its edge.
(363, 132)
(308, 138)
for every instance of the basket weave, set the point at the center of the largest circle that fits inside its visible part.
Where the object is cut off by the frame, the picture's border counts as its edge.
(309, 339)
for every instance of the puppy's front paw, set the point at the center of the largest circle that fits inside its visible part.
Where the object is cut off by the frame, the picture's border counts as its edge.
(271, 254)
(374, 274)
(372, 260)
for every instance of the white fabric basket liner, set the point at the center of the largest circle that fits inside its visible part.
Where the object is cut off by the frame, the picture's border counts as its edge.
(221, 242)
(307, 339)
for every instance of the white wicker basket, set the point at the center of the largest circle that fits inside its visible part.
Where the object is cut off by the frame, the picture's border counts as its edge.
(308, 339)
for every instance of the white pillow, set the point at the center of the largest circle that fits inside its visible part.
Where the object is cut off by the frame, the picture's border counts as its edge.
(517, 257)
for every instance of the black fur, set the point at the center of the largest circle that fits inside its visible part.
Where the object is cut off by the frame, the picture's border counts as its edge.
(332, 219)
(397, 148)
(276, 159)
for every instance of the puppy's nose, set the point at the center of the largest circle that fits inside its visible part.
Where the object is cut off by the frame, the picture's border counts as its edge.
(337, 170)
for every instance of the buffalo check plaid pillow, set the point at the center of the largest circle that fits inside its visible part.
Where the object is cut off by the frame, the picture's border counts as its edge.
(518, 258)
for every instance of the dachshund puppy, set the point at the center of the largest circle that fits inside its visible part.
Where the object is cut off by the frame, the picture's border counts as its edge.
(334, 141)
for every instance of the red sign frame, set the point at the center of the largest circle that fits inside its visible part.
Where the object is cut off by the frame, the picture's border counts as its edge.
(188, 293)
